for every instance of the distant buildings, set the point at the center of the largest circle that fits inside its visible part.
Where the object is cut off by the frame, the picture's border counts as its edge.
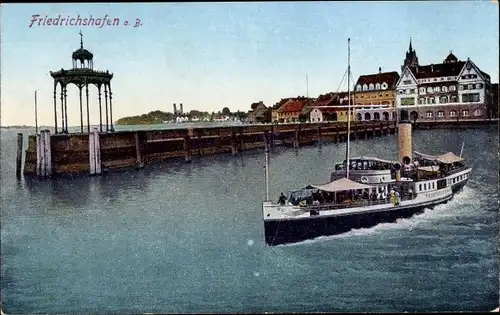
(257, 114)
(451, 90)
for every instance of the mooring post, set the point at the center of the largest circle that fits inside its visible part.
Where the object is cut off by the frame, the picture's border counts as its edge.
(319, 136)
(47, 153)
(296, 140)
(234, 150)
(272, 135)
(187, 151)
(38, 154)
(19, 159)
(139, 150)
(94, 152)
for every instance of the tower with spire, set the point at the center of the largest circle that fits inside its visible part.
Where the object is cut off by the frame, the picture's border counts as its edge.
(411, 59)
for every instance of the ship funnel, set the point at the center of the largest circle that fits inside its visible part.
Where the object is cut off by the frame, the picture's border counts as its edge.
(404, 139)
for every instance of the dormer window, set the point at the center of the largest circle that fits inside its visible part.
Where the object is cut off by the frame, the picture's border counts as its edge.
(444, 89)
(358, 87)
(377, 86)
(429, 90)
(365, 87)
(422, 90)
(452, 88)
(371, 86)
(436, 89)
(384, 86)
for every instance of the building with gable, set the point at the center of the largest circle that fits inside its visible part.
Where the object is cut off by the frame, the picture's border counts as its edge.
(451, 90)
(376, 89)
(291, 110)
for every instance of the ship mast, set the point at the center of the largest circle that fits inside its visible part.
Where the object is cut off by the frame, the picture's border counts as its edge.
(348, 105)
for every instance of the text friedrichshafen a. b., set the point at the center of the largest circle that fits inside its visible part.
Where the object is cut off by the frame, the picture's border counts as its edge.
(37, 20)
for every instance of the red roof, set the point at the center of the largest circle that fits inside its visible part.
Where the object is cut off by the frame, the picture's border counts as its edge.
(293, 106)
(391, 78)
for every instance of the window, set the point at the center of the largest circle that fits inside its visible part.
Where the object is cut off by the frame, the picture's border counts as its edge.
(479, 86)
(436, 89)
(443, 99)
(452, 88)
(478, 112)
(371, 86)
(444, 88)
(412, 91)
(470, 87)
(401, 91)
(377, 86)
(365, 87)
(408, 101)
(384, 86)
(440, 113)
(470, 97)
(422, 90)
(454, 99)
(359, 87)
(421, 100)
(420, 187)
(453, 113)
(465, 112)
(429, 90)
(428, 114)
(463, 87)
(406, 82)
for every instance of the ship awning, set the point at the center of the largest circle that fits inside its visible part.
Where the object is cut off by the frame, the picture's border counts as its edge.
(430, 169)
(342, 184)
(370, 158)
(446, 158)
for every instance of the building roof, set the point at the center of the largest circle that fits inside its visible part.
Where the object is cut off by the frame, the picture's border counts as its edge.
(450, 58)
(438, 70)
(391, 78)
(293, 106)
(329, 109)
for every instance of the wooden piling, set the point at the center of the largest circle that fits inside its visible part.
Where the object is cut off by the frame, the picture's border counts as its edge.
(19, 158)
(139, 150)
(94, 152)
(234, 149)
(187, 150)
(319, 135)
(296, 140)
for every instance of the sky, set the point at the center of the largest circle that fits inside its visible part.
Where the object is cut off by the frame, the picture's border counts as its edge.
(212, 55)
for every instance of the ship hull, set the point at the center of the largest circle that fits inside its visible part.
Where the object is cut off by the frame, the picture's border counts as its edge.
(279, 232)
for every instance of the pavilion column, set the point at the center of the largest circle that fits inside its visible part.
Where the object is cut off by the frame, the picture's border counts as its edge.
(66, 107)
(111, 109)
(62, 109)
(100, 108)
(88, 110)
(55, 106)
(81, 108)
(106, 104)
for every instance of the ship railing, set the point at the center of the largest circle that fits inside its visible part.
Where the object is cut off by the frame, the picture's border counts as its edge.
(354, 204)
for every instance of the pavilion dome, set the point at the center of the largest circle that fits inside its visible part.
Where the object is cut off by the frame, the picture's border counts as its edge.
(82, 54)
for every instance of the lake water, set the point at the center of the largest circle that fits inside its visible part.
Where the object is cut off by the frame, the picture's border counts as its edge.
(184, 238)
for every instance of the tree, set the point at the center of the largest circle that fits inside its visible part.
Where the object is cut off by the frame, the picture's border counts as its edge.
(226, 111)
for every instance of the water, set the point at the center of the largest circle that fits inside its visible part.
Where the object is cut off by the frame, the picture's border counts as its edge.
(189, 238)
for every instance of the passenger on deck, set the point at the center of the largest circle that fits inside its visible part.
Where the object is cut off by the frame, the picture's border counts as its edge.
(398, 198)
(282, 200)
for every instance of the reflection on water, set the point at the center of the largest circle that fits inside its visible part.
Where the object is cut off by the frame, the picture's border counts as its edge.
(188, 237)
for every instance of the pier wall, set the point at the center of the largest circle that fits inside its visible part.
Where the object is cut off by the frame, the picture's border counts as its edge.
(81, 153)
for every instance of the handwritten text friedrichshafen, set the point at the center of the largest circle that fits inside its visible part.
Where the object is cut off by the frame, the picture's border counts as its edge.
(37, 20)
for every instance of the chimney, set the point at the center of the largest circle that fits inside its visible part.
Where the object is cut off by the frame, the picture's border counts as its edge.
(182, 111)
(175, 109)
(379, 69)
(432, 68)
(404, 138)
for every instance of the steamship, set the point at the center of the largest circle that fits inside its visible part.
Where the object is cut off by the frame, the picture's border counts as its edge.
(365, 191)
